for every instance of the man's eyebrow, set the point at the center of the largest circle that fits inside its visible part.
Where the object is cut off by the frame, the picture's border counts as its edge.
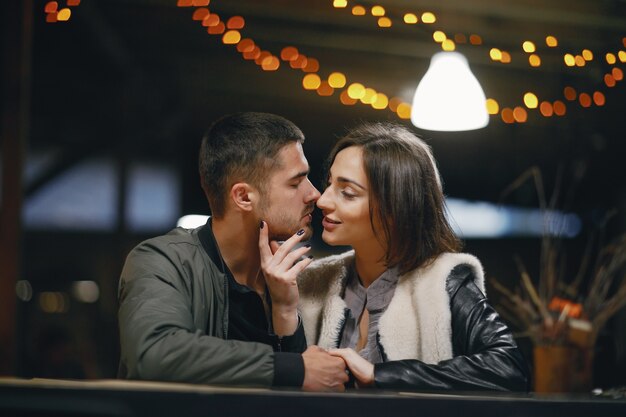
(344, 179)
(299, 175)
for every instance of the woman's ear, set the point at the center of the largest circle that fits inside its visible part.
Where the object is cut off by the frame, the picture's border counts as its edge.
(243, 196)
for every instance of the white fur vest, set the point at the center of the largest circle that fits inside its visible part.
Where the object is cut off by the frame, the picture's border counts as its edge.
(417, 322)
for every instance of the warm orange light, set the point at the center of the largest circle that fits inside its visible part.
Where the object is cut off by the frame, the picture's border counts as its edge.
(546, 109)
(394, 103)
(232, 37)
(410, 19)
(609, 80)
(380, 102)
(245, 45)
(356, 91)
(534, 60)
(64, 15)
(51, 7)
(506, 57)
(311, 82)
(439, 36)
(460, 38)
(384, 22)
(610, 58)
(599, 99)
(378, 11)
(212, 19)
(569, 93)
(73, 3)
(289, 53)
(270, 63)
(340, 4)
(559, 108)
(528, 47)
(184, 3)
(236, 22)
(325, 90)
(428, 17)
(448, 45)
(584, 99)
(200, 14)
(51, 17)
(624, 41)
(200, 3)
(552, 42)
(217, 29)
(569, 60)
(492, 106)
(300, 62)
(404, 111)
(264, 54)
(358, 11)
(507, 115)
(476, 40)
(495, 54)
(520, 115)
(579, 61)
(622, 56)
(368, 96)
(346, 99)
(312, 65)
(253, 54)
(618, 74)
(530, 100)
(337, 80)
(587, 55)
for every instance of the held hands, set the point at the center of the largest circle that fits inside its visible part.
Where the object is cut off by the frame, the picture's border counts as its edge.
(280, 267)
(362, 370)
(323, 372)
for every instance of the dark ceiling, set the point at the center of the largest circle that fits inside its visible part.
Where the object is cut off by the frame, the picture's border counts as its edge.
(142, 80)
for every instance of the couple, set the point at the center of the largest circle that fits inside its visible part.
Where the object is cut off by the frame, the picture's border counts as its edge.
(226, 304)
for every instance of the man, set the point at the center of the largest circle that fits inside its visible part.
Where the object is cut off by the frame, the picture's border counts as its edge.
(193, 303)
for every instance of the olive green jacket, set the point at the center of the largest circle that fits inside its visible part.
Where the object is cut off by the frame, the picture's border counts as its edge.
(173, 318)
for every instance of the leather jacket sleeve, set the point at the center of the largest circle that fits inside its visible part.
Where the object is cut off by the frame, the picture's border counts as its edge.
(486, 356)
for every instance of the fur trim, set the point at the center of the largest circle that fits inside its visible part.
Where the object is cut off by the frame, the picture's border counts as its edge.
(417, 322)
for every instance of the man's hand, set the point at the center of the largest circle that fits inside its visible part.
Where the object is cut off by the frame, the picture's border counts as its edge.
(323, 372)
(280, 268)
(362, 370)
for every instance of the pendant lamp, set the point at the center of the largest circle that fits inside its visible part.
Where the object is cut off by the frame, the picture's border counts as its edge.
(449, 97)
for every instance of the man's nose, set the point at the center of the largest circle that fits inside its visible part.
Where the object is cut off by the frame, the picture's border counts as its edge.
(314, 193)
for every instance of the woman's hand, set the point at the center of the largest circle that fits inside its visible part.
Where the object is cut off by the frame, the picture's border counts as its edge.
(362, 370)
(280, 266)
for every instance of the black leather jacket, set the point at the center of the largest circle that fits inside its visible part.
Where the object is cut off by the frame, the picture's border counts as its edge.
(486, 356)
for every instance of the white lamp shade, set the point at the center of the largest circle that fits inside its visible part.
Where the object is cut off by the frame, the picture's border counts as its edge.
(449, 97)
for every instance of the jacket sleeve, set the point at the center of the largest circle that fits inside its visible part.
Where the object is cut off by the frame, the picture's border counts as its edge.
(159, 340)
(486, 356)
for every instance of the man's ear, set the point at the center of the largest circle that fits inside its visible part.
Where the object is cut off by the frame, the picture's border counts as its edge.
(244, 196)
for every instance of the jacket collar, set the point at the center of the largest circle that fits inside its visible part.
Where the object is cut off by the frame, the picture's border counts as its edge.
(207, 239)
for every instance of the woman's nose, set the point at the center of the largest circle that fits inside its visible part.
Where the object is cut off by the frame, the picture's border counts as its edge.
(324, 201)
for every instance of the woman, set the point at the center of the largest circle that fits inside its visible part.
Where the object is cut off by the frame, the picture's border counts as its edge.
(404, 309)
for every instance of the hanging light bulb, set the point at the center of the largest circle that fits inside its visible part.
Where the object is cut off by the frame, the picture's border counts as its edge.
(449, 97)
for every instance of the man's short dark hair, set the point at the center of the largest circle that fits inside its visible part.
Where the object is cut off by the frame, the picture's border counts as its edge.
(242, 147)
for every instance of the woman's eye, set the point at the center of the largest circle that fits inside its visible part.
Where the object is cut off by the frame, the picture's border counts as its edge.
(348, 195)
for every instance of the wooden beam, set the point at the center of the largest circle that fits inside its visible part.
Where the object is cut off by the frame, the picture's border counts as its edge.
(17, 27)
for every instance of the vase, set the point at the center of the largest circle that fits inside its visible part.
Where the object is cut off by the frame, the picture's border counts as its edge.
(563, 368)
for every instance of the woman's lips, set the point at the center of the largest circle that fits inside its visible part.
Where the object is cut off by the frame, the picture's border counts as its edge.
(329, 224)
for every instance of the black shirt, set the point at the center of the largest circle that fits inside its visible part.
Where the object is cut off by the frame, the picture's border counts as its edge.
(247, 321)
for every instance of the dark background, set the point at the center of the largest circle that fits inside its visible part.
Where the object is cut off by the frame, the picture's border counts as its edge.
(138, 82)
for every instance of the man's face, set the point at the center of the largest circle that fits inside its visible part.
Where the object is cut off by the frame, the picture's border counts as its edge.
(290, 197)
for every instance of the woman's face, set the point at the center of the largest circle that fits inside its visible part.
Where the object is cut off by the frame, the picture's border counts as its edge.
(345, 202)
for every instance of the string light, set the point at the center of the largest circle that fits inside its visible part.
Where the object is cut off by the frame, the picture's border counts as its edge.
(378, 100)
